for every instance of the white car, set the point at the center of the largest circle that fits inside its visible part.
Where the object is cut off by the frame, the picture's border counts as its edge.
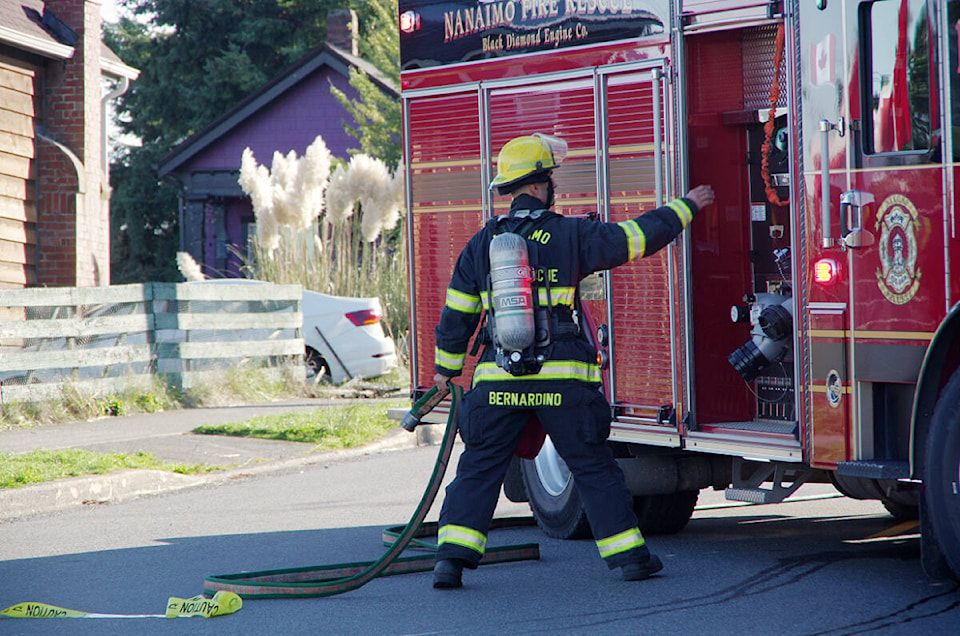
(342, 336)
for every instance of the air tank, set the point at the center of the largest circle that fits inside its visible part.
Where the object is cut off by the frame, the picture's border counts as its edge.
(512, 300)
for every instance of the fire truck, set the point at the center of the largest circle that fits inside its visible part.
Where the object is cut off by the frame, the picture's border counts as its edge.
(804, 328)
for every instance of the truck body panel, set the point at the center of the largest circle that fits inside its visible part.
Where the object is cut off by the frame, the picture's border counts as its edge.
(807, 320)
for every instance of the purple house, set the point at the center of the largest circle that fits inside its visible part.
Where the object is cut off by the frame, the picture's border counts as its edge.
(286, 114)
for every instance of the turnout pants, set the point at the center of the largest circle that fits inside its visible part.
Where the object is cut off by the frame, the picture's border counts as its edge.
(576, 416)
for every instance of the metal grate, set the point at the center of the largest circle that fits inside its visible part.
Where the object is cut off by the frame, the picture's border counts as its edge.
(759, 46)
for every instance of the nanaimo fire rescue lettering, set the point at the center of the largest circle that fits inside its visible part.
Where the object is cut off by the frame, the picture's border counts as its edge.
(462, 22)
(454, 31)
(540, 236)
(510, 398)
(548, 274)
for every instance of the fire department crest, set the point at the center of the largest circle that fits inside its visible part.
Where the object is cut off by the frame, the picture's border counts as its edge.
(897, 276)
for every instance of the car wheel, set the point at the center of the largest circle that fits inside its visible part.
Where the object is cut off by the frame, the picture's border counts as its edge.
(317, 367)
(554, 498)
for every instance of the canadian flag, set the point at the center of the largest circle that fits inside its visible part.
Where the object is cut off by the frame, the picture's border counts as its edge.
(822, 58)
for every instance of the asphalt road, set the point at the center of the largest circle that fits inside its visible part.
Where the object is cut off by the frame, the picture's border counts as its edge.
(821, 565)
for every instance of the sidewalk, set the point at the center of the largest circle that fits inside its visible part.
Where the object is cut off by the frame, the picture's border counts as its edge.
(167, 435)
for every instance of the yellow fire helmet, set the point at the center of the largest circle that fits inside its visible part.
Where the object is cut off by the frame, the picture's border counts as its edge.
(531, 154)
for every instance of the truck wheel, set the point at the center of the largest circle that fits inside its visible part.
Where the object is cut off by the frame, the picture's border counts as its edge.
(941, 473)
(513, 488)
(901, 511)
(665, 514)
(554, 498)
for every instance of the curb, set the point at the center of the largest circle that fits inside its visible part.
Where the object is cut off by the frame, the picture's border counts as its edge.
(98, 489)
(73, 492)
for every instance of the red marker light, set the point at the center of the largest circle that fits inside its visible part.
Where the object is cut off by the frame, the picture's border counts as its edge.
(409, 21)
(826, 271)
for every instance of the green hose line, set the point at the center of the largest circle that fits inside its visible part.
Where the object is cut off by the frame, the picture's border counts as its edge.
(328, 580)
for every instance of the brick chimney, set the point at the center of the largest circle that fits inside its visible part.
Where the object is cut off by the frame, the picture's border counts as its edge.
(73, 228)
(342, 28)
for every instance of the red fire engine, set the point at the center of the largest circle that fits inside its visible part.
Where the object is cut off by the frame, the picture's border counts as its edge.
(805, 327)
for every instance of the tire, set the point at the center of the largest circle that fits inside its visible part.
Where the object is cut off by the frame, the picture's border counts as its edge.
(317, 367)
(513, 488)
(554, 498)
(900, 511)
(665, 514)
(941, 498)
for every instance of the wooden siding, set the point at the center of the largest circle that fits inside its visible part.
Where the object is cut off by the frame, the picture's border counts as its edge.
(18, 206)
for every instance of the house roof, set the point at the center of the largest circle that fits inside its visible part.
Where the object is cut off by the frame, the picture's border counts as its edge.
(323, 55)
(22, 27)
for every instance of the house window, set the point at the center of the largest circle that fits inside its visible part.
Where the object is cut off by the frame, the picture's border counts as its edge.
(895, 56)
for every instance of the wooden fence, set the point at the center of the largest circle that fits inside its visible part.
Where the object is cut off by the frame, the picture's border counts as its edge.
(103, 339)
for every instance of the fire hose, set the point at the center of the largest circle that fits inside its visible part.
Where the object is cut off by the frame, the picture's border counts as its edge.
(228, 590)
(328, 580)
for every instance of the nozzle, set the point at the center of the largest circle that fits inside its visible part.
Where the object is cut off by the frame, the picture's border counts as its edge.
(423, 406)
(410, 421)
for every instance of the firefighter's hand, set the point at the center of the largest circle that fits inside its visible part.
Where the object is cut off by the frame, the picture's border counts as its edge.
(441, 381)
(702, 196)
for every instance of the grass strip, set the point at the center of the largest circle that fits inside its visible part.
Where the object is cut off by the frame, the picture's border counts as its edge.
(23, 469)
(330, 427)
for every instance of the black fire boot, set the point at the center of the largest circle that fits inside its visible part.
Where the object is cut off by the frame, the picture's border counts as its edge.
(640, 571)
(446, 574)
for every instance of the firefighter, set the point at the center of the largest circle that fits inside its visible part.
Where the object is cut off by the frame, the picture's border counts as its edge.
(556, 378)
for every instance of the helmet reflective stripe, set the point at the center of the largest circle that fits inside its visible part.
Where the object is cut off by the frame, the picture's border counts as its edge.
(462, 302)
(636, 241)
(626, 540)
(462, 536)
(523, 156)
(551, 370)
(447, 360)
(682, 210)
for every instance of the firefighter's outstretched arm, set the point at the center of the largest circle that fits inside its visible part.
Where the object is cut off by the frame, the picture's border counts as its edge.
(608, 245)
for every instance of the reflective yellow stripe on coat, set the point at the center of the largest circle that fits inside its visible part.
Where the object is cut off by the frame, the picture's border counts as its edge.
(447, 360)
(551, 370)
(462, 302)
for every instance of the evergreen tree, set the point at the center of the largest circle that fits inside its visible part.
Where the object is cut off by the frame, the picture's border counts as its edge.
(376, 114)
(197, 60)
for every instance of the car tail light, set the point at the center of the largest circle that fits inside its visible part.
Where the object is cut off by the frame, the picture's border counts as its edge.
(364, 317)
(826, 272)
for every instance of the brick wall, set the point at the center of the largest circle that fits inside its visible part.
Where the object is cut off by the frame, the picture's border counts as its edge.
(73, 220)
(342, 26)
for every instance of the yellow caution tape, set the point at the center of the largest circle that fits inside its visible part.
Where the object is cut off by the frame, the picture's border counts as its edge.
(221, 604)
(40, 610)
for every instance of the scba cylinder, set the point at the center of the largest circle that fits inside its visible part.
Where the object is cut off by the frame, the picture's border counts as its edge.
(512, 301)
